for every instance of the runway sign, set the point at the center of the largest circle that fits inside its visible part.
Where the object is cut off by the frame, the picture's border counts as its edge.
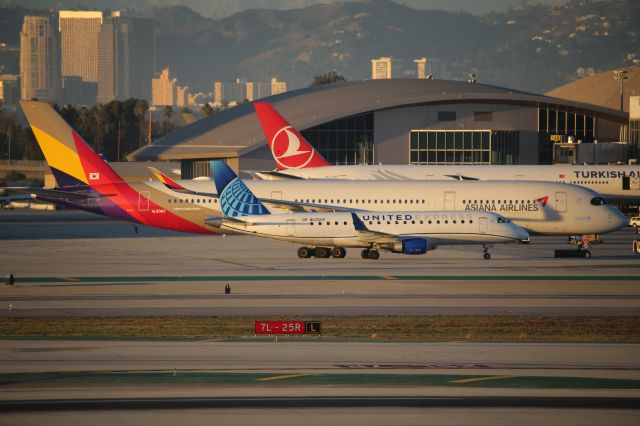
(288, 327)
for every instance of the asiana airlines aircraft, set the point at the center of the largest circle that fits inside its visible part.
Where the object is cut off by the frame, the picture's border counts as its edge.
(86, 182)
(295, 158)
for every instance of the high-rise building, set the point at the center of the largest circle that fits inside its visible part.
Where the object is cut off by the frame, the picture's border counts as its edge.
(126, 58)
(79, 33)
(278, 87)
(381, 68)
(248, 89)
(39, 59)
(421, 65)
(229, 92)
(217, 93)
(163, 89)
(9, 89)
(182, 96)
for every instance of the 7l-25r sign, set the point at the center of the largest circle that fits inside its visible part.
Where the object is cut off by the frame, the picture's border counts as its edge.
(288, 327)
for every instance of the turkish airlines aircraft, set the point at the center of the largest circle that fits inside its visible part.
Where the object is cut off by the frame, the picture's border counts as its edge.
(296, 158)
(86, 182)
(406, 232)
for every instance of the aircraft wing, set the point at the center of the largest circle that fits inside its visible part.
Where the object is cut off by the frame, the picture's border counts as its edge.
(272, 175)
(295, 206)
(368, 236)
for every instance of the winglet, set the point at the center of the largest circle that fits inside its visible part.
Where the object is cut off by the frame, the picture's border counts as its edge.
(357, 223)
(166, 180)
(235, 198)
(289, 149)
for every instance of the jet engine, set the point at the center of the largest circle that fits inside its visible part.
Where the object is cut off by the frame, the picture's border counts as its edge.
(410, 246)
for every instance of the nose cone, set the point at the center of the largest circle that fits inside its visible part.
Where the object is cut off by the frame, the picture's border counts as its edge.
(617, 220)
(521, 234)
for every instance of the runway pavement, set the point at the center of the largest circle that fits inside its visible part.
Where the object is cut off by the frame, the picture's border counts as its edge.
(75, 264)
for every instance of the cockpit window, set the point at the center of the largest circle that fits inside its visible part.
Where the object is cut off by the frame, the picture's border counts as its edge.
(598, 201)
(503, 220)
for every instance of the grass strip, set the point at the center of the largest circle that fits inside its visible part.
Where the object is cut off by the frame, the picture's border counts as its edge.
(330, 379)
(473, 328)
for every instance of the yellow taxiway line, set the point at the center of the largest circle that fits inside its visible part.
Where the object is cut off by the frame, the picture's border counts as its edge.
(480, 379)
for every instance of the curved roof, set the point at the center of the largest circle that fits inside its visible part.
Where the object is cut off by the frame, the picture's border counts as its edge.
(237, 131)
(601, 89)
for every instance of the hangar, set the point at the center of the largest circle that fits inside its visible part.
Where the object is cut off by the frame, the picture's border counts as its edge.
(398, 121)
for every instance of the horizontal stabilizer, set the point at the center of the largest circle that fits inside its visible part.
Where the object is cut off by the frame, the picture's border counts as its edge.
(58, 194)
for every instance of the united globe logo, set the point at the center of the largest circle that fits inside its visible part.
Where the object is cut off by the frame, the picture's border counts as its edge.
(237, 200)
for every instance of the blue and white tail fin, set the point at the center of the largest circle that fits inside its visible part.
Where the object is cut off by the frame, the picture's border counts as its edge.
(235, 198)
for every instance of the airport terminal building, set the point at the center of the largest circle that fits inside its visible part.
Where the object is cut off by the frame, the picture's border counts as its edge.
(398, 121)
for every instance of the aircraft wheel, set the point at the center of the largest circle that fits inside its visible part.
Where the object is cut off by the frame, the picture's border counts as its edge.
(365, 254)
(374, 254)
(487, 256)
(586, 254)
(304, 252)
(323, 252)
(338, 252)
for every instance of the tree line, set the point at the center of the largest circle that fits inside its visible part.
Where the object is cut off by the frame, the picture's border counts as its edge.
(113, 130)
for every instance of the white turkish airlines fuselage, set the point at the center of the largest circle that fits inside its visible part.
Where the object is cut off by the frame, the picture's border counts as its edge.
(337, 228)
(616, 183)
(545, 208)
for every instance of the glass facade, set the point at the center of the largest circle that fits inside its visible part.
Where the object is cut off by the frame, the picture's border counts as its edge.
(564, 121)
(345, 141)
(190, 169)
(634, 139)
(463, 147)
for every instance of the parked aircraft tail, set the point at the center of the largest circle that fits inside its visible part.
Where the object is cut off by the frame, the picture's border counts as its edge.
(235, 198)
(72, 162)
(289, 149)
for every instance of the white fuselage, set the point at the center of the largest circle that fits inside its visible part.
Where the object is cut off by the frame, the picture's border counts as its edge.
(545, 208)
(337, 228)
(616, 183)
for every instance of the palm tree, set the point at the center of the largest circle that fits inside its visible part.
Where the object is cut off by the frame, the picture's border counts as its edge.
(140, 111)
(207, 110)
(100, 115)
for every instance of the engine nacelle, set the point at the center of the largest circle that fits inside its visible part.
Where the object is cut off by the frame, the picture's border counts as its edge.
(411, 246)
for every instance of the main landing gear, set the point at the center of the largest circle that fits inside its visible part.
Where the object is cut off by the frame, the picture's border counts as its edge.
(583, 244)
(321, 252)
(372, 254)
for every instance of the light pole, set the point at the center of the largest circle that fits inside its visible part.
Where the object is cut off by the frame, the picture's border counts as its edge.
(621, 75)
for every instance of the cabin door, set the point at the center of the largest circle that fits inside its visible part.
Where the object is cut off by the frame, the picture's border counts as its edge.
(483, 225)
(561, 202)
(449, 200)
(143, 201)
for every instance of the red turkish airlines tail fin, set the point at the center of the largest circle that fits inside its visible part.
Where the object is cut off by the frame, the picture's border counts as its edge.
(289, 149)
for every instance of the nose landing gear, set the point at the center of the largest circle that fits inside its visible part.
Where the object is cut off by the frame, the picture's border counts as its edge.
(487, 248)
